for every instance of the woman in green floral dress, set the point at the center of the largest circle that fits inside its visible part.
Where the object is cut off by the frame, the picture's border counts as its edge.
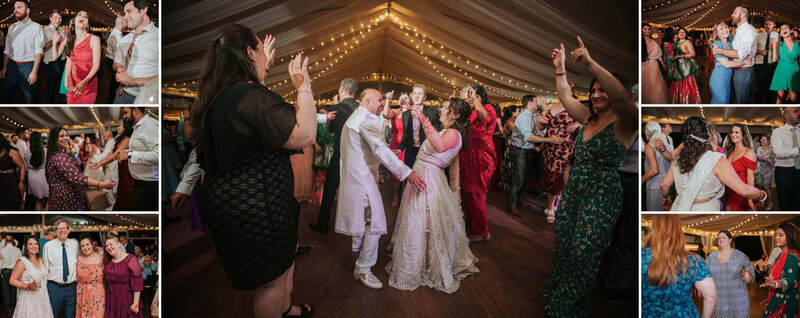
(782, 279)
(593, 196)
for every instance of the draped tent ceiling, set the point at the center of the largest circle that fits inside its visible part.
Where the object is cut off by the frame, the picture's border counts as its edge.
(705, 13)
(101, 12)
(770, 116)
(503, 45)
(47, 117)
(77, 219)
(731, 222)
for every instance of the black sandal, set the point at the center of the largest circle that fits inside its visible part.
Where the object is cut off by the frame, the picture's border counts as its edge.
(304, 312)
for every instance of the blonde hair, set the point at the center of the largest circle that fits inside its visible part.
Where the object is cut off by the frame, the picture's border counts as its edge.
(714, 35)
(420, 86)
(666, 242)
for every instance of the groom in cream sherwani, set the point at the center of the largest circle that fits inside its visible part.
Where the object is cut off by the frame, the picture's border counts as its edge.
(360, 207)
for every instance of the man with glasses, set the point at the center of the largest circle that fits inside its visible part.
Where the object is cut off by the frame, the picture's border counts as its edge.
(60, 257)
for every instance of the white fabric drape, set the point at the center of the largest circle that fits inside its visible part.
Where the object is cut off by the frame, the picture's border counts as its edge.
(46, 117)
(706, 16)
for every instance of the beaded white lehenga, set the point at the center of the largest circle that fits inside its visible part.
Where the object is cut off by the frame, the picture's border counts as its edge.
(699, 184)
(429, 245)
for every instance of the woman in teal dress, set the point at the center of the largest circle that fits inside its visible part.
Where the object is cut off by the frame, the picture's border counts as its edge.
(682, 72)
(786, 80)
(782, 279)
(592, 198)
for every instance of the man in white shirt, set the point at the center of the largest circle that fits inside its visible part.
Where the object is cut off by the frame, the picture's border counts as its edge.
(54, 67)
(139, 53)
(142, 155)
(786, 145)
(113, 43)
(744, 46)
(22, 140)
(22, 56)
(9, 254)
(110, 170)
(60, 257)
(764, 67)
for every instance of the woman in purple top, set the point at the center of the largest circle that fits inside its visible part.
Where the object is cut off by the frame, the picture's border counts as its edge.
(124, 283)
(67, 183)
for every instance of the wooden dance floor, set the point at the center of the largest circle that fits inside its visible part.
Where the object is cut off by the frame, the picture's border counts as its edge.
(514, 265)
(757, 295)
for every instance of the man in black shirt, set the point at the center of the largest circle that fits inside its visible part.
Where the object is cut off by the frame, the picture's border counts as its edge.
(347, 104)
(413, 136)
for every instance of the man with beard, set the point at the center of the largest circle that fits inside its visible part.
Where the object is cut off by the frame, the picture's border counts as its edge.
(136, 61)
(22, 56)
(54, 67)
(143, 151)
(786, 144)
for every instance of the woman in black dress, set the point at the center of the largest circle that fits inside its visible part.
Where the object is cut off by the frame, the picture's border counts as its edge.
(245, 135)
(11, 188)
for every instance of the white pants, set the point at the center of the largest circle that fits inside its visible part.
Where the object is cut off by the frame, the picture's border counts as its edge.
(368, 255)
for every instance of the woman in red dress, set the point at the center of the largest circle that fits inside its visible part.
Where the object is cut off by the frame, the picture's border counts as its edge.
(558, 149)
(395, 116)
(477, 164)
(739, 151)
(83, 61)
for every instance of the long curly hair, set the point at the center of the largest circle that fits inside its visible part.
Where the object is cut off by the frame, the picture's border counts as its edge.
(792, 235)
(461, 108)
(747, 139)
(693, 149)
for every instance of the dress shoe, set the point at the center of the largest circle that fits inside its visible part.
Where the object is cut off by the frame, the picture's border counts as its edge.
(369, 280)
(513, 211)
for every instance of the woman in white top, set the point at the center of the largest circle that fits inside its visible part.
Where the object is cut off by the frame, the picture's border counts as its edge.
(655, 166)
(34, 159)
(30, 278)
(699, 173)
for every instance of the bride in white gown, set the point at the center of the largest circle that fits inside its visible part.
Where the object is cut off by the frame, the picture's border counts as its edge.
(699, 173)
(429, 245)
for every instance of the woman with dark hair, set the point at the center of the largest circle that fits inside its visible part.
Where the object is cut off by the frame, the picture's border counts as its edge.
(83, 60)
(699, 173)
(654, 89)
(91, 295)
(11, 189)
(29, 276)
(669, 273)
(732, 271)
(124, 283)
(782, 280)
(510, 114)
(67, 184)
(429, 245)
(740, 146)
(245, 134)
(37, 181)
(477, 163)
(124, 200)
(786, 80)
(682, 73)
(592, 199)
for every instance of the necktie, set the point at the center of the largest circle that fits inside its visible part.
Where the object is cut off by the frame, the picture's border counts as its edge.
(795, 144)
(64, 262)
(766, 47)
(128, 56)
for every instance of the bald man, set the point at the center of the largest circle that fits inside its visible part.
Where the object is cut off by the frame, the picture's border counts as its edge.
(113, 46)
(786, 145)
(360, 207)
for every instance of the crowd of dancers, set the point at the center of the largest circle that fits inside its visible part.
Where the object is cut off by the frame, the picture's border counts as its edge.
(74, 58)
(707, 173)
(254, 153)
(52, 171)
(670, 274)
(55, 274)
(755, 66)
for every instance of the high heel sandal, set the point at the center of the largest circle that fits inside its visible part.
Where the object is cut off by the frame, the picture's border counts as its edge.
(304, 312)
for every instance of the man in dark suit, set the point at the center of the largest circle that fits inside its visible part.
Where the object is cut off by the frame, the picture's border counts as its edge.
(347, 104)
(413, 136)
(128, 246)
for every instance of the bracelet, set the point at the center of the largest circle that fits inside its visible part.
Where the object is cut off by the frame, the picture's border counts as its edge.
(559, 74)
(305, 91)
(764, 196)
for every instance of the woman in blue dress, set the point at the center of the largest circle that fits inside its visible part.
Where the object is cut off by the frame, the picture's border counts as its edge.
(669, 272)
(720, 80)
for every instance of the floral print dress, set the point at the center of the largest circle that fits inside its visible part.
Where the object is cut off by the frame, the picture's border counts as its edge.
(782, 302)
(557, 156)
(91, 299)
(589, 207)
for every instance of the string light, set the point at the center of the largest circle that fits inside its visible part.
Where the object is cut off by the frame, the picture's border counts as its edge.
(704, 14)
(96, 118)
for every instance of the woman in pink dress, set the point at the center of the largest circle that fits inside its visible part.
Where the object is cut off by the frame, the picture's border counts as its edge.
(83, 60)
(123, 276)
(477, 164)
(654, 89)
(91, 296)
(739, 150)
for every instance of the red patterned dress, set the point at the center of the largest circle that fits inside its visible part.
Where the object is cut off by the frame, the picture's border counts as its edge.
(736, 201)
(476, 166)
(557, 156)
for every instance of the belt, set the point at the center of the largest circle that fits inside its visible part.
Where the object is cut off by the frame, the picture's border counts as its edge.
(743, 68)
(59, 284)
(23, 62)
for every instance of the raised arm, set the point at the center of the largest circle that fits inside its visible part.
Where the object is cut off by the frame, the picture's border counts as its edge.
(440, 143)
(476, 103)
(305, 131)
(572, 105)
(387, 106)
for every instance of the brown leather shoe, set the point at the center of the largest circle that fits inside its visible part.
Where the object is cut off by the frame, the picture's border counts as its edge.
(513, 211)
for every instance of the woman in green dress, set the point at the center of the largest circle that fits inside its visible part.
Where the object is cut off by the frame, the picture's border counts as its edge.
(786, 80)
(682, 72)
(782, 279)
(592, 198)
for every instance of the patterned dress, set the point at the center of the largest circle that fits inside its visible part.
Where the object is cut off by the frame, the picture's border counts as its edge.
(674, 300)
(732, 299)
(478, 162)
(321, 161)
(591, 203)
(508, 166)
(765, 170)
(557, 156)
(91, 299)
(67, 184)
(682, 73)
(783, 301)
